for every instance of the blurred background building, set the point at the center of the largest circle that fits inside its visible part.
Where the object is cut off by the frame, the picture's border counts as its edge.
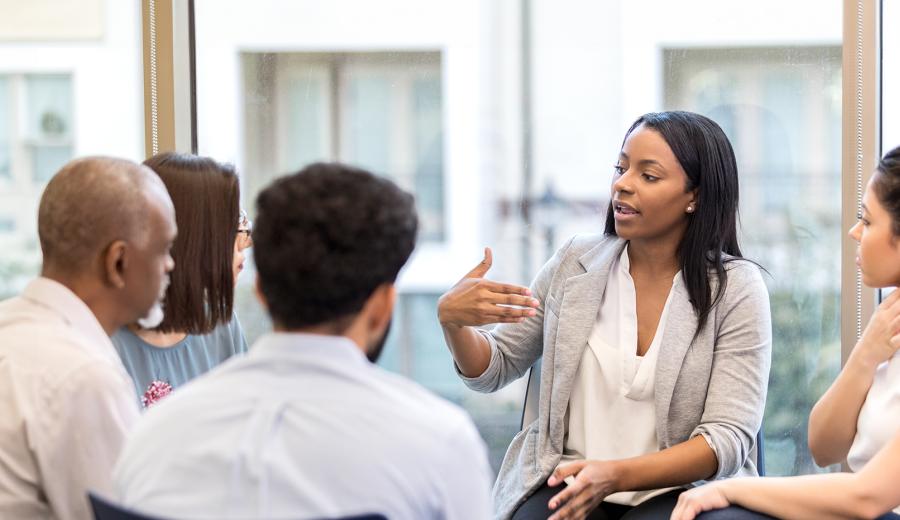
(504, 117)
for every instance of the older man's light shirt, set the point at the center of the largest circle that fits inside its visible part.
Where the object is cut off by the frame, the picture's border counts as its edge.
(66, 404)
(304, 427)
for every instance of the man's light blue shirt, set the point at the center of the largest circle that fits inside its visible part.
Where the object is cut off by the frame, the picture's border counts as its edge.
(304, 426)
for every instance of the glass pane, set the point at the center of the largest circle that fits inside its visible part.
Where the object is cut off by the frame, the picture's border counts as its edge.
(368, 122)
(438, 103)
(49, 111)
(388, 118)
(427, 134)
(62, 95)
(46, 160)
(307, 121)
(781, 108)
(5, 123)
(890, 75)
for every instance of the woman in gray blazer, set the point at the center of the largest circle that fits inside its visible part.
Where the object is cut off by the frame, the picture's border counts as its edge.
(663, 286)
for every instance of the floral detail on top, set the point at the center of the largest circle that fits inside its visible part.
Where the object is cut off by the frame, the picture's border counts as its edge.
(156, 391)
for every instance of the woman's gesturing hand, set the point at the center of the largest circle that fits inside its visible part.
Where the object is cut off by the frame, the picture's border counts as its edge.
(475, 300)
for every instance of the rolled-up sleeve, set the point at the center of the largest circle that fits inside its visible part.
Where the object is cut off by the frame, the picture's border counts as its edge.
(739, 378)
(515, 347)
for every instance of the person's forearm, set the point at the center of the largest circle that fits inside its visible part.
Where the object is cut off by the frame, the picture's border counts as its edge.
(829, 496)
(681, 464)
(832, 422)
(471, 350)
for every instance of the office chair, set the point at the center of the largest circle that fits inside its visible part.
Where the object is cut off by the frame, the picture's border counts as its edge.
(106, 510)
(533, 393)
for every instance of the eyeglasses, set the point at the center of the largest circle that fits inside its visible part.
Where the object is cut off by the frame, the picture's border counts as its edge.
(245, 228)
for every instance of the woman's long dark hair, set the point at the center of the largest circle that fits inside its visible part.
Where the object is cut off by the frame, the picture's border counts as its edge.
(206, 196)
(886, 184)
(705, 154)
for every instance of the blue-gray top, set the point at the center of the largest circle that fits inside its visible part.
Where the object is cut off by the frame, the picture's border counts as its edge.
(176, 365)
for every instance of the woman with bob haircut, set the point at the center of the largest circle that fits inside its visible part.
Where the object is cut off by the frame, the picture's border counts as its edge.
(858, 418)
(198, 329)
(655, 338)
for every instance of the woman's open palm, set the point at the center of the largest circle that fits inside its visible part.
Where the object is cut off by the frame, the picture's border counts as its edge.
(475, 300)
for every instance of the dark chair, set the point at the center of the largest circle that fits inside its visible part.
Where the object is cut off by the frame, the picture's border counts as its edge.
(363, 517)
(533, 394)
(106, 510)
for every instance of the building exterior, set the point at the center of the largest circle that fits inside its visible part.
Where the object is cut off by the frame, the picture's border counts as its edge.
(480, 108)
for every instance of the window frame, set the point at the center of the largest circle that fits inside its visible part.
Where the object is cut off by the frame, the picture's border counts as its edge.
(170, 93)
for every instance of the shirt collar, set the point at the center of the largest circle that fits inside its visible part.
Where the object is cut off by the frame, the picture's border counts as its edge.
(308, 346)
(67, 305)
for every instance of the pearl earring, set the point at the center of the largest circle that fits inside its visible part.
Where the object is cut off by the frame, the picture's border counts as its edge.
(690, 209)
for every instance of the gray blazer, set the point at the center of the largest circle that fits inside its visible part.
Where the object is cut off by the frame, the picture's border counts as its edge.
(712, 385)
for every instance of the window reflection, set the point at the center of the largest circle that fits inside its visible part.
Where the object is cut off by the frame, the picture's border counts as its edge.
(70, 85)
(434, 99)
(381, 111)
(781, 108)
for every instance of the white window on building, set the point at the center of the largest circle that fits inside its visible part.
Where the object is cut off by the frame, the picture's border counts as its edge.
(35, 140)
(5, 133)
(381, 111)
(781, 109)
(47, 132)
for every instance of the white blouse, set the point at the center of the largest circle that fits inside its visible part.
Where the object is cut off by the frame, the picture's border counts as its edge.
(612, 412)
(879, 418)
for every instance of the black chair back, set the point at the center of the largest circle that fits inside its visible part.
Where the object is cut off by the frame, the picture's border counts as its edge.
(106, 510)
(363, 517)
(533, 394)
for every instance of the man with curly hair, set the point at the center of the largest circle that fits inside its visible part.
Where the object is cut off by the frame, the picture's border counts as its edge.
(306, 426)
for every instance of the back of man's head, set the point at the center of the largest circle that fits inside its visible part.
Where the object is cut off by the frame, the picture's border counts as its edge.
(325, 239)
(105, 226)
(89, 203)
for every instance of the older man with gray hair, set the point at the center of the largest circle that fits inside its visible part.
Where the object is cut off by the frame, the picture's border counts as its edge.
(66, 402)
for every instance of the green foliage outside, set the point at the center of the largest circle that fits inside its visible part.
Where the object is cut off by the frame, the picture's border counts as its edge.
(805, 360)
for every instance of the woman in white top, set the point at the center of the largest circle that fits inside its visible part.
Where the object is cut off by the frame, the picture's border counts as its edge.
(655, 338)
(858, 418)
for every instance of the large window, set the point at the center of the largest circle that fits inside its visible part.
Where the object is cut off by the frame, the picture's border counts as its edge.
(781, 108)
(381, 110)
(505, 118)
(70, 85)
(36, 135)
(35, 140)
(890, 70)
